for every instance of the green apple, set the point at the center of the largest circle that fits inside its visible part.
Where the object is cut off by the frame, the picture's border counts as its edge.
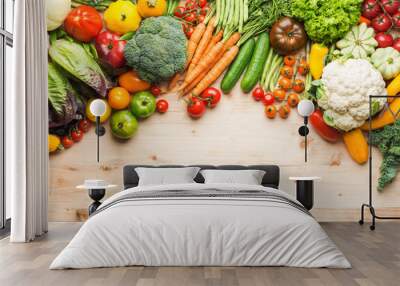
(143, 104)
(123, 124)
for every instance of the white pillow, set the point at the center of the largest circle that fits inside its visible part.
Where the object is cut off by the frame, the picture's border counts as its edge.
(165, 176)
(248, 177)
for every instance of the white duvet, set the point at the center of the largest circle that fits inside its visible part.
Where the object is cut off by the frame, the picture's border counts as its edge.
(200, 231)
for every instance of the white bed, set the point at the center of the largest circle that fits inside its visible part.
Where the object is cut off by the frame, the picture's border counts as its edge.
(246, 225)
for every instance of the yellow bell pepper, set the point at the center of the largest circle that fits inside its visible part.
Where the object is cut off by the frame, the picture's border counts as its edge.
(393, 88)
(54, 143)
(356, 145)
(122, 17)
(385, 118)
(317, 58)
(151, 8)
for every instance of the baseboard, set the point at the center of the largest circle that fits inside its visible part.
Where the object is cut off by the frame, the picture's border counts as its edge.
(353, 214)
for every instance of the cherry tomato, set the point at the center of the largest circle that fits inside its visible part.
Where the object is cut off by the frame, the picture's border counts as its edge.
(279, 94)
(202, 3)
(289, 60)
(179, 11)
(382, 23)
(67, 142)
(190, 5)
(200, 18)
(155, 90)
(284, 111)
(211, 96)
(83, 23)
(371, 9)
(285, 83)
(303, 67)
(293, 99)
(270, 111)
(268, 99)
(390, 6)
(204, 11)
(298, 85)
(396, 20)
(189, 31)
(190, 17)
(396, 44)
(162, 105)
(76, 135)
(287, 71)
(384, 40)
(196, 108)
(258, 93)
(84, 125)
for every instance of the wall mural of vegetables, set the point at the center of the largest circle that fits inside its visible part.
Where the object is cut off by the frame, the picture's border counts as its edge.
(130, 53)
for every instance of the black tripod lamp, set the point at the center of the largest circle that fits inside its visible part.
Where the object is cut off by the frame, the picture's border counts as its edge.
(98, 108)
(305, 108)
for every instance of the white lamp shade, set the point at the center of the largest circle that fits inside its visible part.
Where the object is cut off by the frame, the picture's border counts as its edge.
(305, 107)
(97, 107)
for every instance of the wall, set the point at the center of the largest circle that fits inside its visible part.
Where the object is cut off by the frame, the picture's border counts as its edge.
(235, 132)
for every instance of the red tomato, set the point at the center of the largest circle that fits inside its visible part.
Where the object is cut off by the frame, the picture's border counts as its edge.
(76, 135)
(67, 142)
(396, 44)
(270, 111)
(384, 40)
(390, 6)
(293, 99)
(371, 9)
(284, 111)
(268, 99)
(396, 20)
(83, 23)
(258, 93)
(200, 18)
(189, 31)
(196, 108)
(190, 5)
(211, 96)
(162, 105)
(204, 11)
(202, 3)
(155, 90)
(110, 49)
(179, 11)
(325, 131)
(289, 60)
(382, 23)
(84, 125)
(190, 17)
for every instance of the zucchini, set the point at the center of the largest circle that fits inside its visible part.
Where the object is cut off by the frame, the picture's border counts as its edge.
(255, 69)
(236, 69)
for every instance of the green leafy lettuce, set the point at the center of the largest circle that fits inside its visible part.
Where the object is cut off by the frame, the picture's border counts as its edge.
(326, 21)
(388, 142)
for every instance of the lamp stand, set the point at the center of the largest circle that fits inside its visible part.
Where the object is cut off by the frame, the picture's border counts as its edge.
(370, 203)
(303, 131)
(100, 131)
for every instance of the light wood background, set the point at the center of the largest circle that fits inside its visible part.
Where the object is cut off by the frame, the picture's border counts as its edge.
(235, 132)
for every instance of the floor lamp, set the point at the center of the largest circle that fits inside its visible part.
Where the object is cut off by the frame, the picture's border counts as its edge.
(305, 108)
(98, 108)
(370, 202)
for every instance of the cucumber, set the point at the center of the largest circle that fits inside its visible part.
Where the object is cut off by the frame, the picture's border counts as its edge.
(255, 69)
(236, 69)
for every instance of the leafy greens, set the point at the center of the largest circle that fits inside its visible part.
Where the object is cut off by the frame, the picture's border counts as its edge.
(326, 21)
(388, 142)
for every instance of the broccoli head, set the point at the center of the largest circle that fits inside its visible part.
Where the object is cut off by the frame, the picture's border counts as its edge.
(158, 49)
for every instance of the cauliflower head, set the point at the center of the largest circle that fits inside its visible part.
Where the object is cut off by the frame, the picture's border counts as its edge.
(344, 93)
(158, 49)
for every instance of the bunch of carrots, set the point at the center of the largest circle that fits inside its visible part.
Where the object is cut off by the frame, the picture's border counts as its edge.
(208, 55)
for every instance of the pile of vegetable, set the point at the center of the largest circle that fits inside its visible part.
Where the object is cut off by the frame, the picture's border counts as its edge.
(128, 53)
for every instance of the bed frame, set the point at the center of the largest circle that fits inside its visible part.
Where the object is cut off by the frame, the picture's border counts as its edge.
(271, 177)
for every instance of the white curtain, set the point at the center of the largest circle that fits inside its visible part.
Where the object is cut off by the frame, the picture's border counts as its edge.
(27, 124)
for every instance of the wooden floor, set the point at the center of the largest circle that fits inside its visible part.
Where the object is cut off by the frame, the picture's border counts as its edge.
(375, 257)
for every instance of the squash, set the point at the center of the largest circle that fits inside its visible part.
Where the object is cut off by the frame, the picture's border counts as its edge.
(393, 88)
(387, 61)
(358, 43)
(385, 118)
(356, 145)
